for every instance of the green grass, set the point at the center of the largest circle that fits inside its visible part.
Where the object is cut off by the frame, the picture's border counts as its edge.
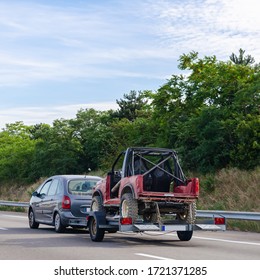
(251, 226)
(232, 190)
(13, 209)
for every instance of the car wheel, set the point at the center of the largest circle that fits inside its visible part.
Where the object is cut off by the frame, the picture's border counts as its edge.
(32, 222)
(96, 234)
(129, 207)
(59, 227)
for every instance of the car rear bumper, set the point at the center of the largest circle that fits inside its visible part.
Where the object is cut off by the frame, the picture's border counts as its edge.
(68, 219)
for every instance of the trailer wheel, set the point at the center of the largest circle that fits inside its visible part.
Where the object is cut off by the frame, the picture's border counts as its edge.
(129, 207)
(96, 233)
(185, 235)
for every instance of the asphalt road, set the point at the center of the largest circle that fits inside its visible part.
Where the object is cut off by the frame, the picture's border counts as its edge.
(19, 242)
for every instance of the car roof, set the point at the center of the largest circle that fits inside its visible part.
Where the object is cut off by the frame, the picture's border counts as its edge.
(71, 176)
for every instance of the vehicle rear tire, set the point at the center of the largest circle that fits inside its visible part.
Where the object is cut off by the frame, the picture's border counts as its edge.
(32, 222)
(150, 218)
(96, 204)
(129, 207)
(185, 235)
(59, 227)
(96, 234)
(189, 215)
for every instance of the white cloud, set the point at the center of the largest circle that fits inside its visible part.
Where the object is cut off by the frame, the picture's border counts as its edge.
(209, 27)
(48, 42)
(55, 43)
(36, 115)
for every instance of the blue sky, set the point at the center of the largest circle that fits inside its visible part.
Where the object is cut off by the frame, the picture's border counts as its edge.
(57, 56)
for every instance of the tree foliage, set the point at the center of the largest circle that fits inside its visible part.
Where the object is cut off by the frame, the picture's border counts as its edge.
(241, 59)
(57, 150)
(205, 114)
(16, 153)
(131, 106)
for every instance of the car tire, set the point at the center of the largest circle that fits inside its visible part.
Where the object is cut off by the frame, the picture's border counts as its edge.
(59, 227)
(32, 222)
(150, 218)
(96, 234)
(96, 204)
(129, 207)
(189, 215)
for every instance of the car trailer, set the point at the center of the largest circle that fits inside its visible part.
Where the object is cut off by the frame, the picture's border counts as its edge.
(99, 223)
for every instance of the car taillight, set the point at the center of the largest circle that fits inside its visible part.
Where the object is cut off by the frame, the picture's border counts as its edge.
(219, 220)
(196, 186)
(66, 202)
(126, 221)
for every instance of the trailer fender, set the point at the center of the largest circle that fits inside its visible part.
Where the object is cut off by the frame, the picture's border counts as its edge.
(100, 217)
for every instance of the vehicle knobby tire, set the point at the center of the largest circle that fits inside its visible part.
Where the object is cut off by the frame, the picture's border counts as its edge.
(96, 204)
(150, 218)
(189, 215)
(129, 207)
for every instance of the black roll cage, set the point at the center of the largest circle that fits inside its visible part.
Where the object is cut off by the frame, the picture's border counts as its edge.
(134, 153)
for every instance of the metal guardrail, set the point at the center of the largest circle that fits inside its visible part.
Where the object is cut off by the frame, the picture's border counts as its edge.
(14, 203)
(236, 215)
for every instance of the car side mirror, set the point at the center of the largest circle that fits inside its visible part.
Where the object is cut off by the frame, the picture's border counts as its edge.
(35, 193)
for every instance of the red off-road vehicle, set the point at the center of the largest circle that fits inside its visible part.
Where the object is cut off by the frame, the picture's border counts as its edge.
(145, 190)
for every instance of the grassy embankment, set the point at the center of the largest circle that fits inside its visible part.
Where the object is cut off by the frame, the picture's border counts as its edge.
(228, 189)
(233, 190)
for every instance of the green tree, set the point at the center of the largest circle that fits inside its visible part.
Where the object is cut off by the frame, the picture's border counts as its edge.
(16, 153)
(246, 123)
(241, 59)
(140, 132)
(58, 149)
(95, 136)
(204, 112)
(131, 106)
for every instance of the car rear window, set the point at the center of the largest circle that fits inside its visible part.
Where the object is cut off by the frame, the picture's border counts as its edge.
(81, 186)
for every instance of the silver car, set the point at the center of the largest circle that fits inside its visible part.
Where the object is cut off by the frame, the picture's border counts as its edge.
(62, 201)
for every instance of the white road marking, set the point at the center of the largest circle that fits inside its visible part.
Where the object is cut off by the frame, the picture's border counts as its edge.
(14, 216)
(1, 228)
(152, 256)
(223, 240)
(226, 240)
